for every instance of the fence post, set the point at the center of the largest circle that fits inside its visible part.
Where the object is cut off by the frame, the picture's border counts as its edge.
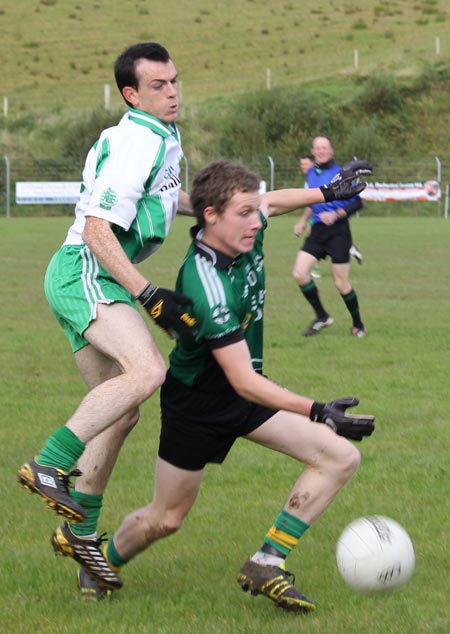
(107, 95)
(268, 79)
(438, 162)
(447, 194)
(186, 175)
(8, 188)
(356, 59)
(5, 106)
(272, 178)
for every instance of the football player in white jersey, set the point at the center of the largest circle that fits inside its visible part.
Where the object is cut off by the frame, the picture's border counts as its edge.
(130, 194)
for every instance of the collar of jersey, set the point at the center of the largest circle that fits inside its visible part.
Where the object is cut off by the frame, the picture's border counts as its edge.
(143, 118)
(217, 258)
(319, 167)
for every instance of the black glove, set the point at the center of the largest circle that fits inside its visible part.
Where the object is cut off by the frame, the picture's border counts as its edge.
(345, 183)
(334, 415)
(165, 308)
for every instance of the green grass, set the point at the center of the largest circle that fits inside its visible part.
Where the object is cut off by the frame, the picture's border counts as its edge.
(186, 584)
(59, 54)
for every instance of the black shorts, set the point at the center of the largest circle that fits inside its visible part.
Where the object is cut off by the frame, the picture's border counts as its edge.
(334, 241)
(200, 427)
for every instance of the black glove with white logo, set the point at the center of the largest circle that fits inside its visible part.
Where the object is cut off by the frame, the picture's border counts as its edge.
(346, 183)
(335, 416)
(165, 307)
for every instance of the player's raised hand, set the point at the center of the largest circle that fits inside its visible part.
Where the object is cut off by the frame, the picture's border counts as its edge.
(167, 310)
(346, 183)
(334, 414)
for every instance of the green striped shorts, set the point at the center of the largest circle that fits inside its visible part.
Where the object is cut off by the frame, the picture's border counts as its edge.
(75, 283)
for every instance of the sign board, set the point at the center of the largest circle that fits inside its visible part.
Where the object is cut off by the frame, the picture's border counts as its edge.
(47, 193)
(429, 191)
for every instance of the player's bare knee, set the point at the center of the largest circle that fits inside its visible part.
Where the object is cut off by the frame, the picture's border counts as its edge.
(349, 461)
(343, 286)
(301, 277)
(149, 379)
(162, 527)
(172, 524)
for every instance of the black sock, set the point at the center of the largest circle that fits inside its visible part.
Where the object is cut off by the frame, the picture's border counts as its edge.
(351, 301)
(311, 294)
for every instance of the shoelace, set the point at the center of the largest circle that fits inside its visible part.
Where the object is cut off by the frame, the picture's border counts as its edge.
(65, 478)
(289, 576)
(100, 539)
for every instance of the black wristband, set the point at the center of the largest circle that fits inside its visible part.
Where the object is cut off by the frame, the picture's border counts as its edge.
(147, 293)
(328, 193)
(316, 413)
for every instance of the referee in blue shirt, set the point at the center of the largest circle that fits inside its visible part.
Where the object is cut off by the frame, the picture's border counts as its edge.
(330, 236)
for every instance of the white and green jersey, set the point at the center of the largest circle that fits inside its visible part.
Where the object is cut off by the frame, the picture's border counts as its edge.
(131, 179)
(228, 296)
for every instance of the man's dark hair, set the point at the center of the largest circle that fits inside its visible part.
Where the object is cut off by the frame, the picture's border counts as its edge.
(125, 65)
(215, 185)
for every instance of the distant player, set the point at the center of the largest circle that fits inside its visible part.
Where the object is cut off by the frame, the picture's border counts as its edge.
(329, 236)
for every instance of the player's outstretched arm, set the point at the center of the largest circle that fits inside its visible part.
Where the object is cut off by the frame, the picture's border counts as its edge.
(345, 184)
(235, 361)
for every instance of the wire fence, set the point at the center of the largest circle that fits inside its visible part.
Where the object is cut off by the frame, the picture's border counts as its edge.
(277, 173)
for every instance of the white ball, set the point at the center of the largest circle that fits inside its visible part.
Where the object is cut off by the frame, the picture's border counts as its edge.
(375, 554)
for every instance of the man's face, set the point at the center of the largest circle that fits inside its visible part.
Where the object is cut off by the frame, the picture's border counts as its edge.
(233, 232)
(322, 150)
(157, 89)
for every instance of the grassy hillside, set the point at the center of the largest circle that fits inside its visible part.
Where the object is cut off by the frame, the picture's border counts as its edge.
(57, 55)
(60, 53)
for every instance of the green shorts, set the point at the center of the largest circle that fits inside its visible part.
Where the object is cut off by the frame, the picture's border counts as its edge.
(75, 283)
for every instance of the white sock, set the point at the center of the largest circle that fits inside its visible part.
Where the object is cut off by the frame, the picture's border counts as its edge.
(267, 560)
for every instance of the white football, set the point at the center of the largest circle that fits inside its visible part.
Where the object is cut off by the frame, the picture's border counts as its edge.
(375, 554)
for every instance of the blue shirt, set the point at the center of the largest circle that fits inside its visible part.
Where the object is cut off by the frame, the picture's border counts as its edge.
(318, 176)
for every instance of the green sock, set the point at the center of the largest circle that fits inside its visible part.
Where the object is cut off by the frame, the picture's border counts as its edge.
(112, 556)
(284, 534)
(92, 505)
(61, 450)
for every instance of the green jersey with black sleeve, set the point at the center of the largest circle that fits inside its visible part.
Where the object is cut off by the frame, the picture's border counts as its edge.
(201, 413)
(228, 296)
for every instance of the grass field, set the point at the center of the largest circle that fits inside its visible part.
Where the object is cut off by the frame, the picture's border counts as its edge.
(59, 54)
(186, 584)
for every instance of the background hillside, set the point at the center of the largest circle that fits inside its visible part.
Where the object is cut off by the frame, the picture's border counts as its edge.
(375, 76)
(60, 52)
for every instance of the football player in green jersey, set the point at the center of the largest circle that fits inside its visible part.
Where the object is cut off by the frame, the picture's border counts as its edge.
(215, 390)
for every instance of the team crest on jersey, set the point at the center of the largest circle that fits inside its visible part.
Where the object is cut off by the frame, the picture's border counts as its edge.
(108, 199)
(221, 314)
